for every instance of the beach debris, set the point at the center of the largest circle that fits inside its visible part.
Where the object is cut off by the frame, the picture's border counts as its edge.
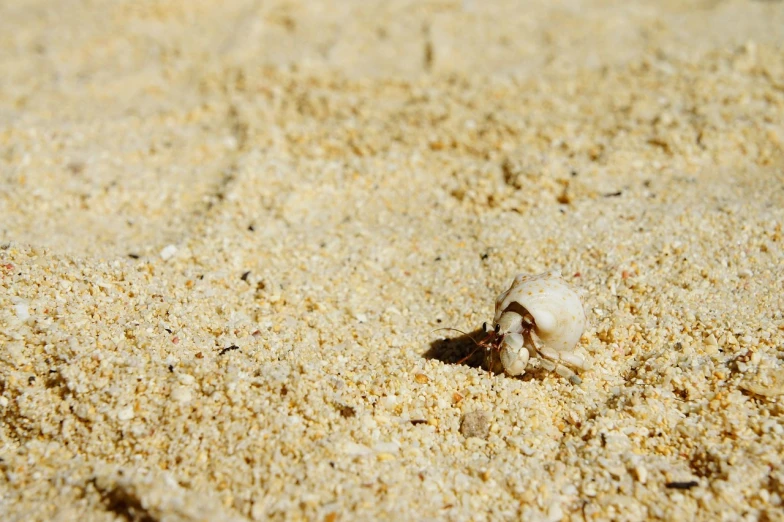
(688, 484)
(539, 315)
(767, 383)
(228, 349)
(475, 424)
(347, 412)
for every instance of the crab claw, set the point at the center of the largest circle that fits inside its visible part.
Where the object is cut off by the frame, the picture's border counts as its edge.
(514, 356)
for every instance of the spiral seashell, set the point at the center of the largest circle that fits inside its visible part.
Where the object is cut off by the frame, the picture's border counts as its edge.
(550, 304)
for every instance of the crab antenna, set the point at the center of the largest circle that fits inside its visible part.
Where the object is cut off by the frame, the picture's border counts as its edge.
(459, 331)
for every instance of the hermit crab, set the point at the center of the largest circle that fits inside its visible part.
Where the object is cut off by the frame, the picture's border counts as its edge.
(539, 315)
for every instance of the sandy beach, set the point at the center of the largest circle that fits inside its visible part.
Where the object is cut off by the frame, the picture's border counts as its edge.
(231, 231)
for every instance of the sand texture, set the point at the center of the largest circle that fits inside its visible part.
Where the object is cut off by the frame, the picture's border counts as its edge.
(229, 229)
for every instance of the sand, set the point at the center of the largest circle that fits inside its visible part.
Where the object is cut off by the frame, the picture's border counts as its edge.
(228, 231)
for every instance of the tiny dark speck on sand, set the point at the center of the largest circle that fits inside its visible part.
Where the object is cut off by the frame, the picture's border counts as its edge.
(682, 485)
(228, 349)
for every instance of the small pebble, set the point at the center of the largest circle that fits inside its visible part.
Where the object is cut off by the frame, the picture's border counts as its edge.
(22, 311)
(181, 394)
(642, 474)
(168, 252)
(554, 512)
(356, 450)
(475, 424)
(125, 414)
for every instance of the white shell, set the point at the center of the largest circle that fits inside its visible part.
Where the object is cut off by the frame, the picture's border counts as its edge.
(558, 314)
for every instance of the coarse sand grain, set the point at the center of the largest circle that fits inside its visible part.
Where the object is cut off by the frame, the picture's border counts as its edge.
(229, 232)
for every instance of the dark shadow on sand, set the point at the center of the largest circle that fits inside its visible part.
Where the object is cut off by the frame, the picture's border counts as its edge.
(450, 350)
